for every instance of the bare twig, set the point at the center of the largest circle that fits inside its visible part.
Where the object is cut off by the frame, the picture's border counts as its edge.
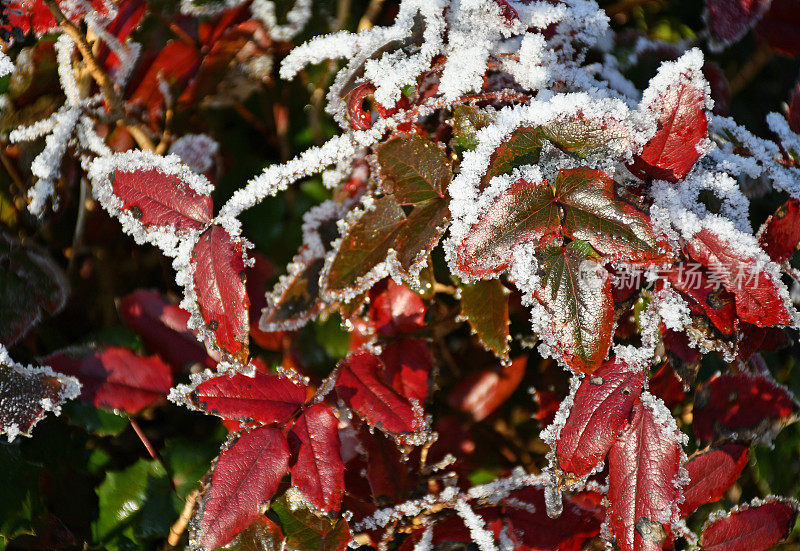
(368, 19)
(177, 529)
(143, 437)
(80, 225)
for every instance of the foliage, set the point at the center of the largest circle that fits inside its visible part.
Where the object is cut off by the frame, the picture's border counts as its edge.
(485, 196)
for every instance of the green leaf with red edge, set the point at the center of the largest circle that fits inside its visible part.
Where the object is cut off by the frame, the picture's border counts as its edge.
(742, 405)
(485, 306)
(361, 385)
(482, 393)
(244, 477)
(576, 293)
(753, 527)
(318, 471)
(31, 286)
(759, 295)
(682, 126)
(114, 377)
(600, 410)
(263, 398)
(522, 147)
(219, 286)
(644, 465)
(780, 234)
(711, 472)
(467, 120)
(410, 219)
(581, 205)
(306, 530)
(407, 366)
(161, 200)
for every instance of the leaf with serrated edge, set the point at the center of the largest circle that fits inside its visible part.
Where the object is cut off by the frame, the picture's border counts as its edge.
(485, 305)
(244, 477)
(601, 408)
(413, 169)
(360, 385)
(576, 292)
(319, 471)
(522, 147)
(711, 473)
(220, 289)
(753, 527)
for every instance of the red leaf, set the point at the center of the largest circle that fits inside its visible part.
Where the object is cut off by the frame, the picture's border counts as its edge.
(388, 474)
(758, 295)
(163, 328)
(360, 118)
(682, 126)
(244, 476)
(219, 284)
(644, 465)
(748, 406)
(116, 378)
(780, 234)
(705, 296)
(601, 409)
(407, 365)
(711, 473)
(158, 199)
(485, 391)
(751, 527)
(794, 110)
(753, 339)
(129, 14)
(780, 27)
(361, 386)
(263, 398)
(666, 385)
(509, 13)
(319, 470)
(395, 309)
(729, 20)
(34, 15)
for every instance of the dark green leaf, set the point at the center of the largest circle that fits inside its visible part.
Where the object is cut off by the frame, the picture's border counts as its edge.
(21, 501)
(309, 531)
(485, 305)
(95, 420)
(413, 169)
(522, 147)
(467, 120)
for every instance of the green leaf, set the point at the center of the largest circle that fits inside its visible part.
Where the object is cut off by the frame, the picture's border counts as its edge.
(576, 292)
(522, 147)
(135, 503)
(188, 461)
(306, 530)
(413, 169)
(485, 306)
(21, 501)
(580, 136)
(94, 420)
(262, 535)
(467, 120)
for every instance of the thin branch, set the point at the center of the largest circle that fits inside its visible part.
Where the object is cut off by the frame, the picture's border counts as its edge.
(12, 171)
(177, 529)
(143, 437)
(373, 10)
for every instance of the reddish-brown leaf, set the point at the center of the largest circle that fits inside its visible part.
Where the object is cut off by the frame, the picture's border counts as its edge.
(758, 294)
(780, 27)
(601, 409)
(485, 391)
(682, 126)
(361, 386)
(163, 328)
(389, 476)
(407, 365)
(729, 20)
(705, 295)
(158, 199)
(219, 283)
(711, 473)
(780, 234)
(794, 110)
(665, 384)
(753, 527)
(263, 398)
(748, 406)
(114, 377)
(395, 309)
(244, 476)
(644, 465)
(318, 471)
(752, 339)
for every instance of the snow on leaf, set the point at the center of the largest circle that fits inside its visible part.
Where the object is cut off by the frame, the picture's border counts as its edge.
(27, 393)
(780, 234)
(676, 97)
(244, 476)
(704, 295)
(482, 393)
(318, 471)
(576, 293)
(307, 529)
(263, 398)
(485, 306)
(730, 20)
(752, 527)
(644, 470)
(711, 472)
(413, 169)
(407, 366)
(31, 285)
(601, 409)
(395, 309)
(761, 298)
(522, 147)
(361, 386)
(163, 328)
(467, 120)
(744, 406)
(220, 289)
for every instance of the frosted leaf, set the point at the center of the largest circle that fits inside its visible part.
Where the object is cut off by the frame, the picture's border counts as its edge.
(296, 18)
(27, 393)
(189, 7)
(481, 537)
(197, 151)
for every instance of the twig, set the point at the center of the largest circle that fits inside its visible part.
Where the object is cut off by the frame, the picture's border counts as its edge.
(80, 225)
(177, 529)
(368, 19)
(143, 437)
(12, 171)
